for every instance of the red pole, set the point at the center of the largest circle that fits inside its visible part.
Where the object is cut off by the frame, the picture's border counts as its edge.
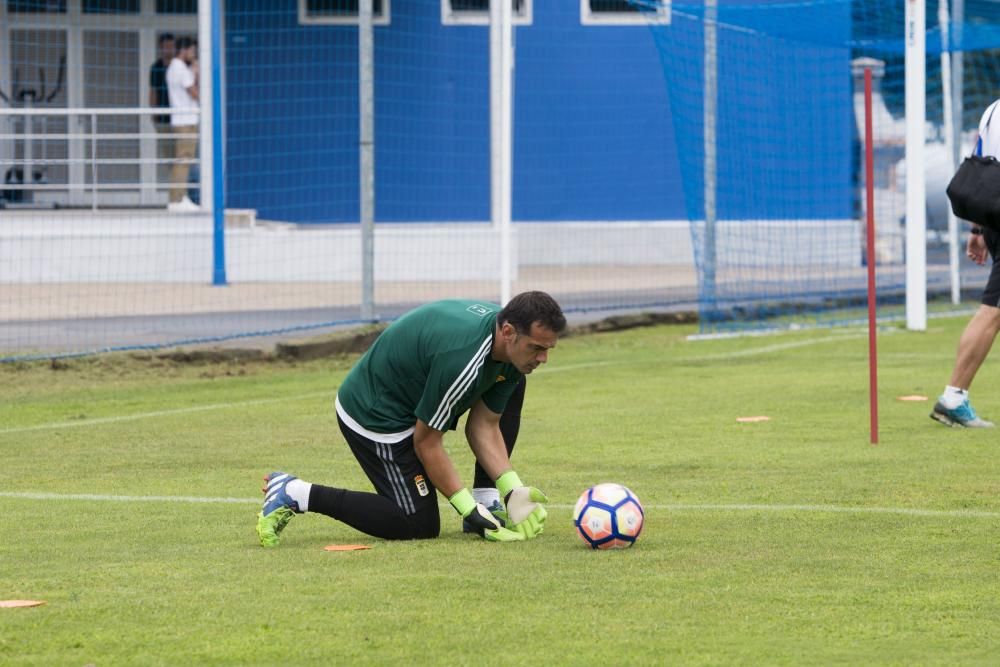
(870, 194)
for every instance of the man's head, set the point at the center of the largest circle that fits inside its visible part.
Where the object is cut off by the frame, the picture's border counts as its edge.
(167, 46)
(527, 328)
(187, 49)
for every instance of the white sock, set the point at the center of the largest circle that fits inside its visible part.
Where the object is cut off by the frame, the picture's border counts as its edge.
(953, 397)
(486, 496)
(298, 491)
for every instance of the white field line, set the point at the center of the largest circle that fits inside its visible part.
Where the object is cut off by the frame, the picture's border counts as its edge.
(28, 495)
(832, 509)
(853, 324)
(670, 507)
(722, 356)
(548, 370)
(163, 413)
(766, 349)
(778, 347)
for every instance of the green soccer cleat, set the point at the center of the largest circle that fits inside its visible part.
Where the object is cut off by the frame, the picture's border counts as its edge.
(277, 511)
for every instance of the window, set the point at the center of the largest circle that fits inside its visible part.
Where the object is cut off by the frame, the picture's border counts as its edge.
(111, 73)
(340, 12)
(176, 6)
(110, 6)
(624, 12)
(36, 6)
(477, 12)
(37, 64)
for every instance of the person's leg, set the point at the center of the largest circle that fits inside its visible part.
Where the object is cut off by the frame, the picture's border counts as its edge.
(510, 420)
(194, 183)
(164, 151)
(953, 407)
(185, 146)
(974, 345)
(374, 514)
(404, 506)
(484, 489)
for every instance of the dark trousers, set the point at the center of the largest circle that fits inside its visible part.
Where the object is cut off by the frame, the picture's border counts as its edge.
(404, 506)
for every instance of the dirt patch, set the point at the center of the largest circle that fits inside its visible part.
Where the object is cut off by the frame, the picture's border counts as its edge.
(348, 342)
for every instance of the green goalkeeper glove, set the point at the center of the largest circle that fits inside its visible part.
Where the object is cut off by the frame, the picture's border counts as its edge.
(525, 505)
(479, 518)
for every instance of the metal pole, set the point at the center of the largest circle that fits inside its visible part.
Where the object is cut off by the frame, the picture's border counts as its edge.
(366, 193)
(949, 143)
(916, 196)
(870, 199)
(93, 161)
(710, 185)
(208, 39)
(496, 34)
(957, 92)
(27, 169)
(214, 185)
(501, 133)
(957, 71)
(506, 148)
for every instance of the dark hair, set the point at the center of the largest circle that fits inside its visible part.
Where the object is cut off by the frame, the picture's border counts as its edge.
(166, 37)
(185, 42)
(529, 307)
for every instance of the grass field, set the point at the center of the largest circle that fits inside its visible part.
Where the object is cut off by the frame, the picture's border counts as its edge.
(130, 491)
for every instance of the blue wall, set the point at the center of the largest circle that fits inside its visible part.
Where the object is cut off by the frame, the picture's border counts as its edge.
(595, 109)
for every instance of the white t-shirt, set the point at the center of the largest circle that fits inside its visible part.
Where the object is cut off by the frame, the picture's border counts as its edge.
(989, 137)
(179, 79)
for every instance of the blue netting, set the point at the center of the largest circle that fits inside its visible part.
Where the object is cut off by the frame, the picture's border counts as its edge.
(784, 203)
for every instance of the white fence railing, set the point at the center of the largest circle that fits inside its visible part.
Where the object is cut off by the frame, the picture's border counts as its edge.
(25, 172)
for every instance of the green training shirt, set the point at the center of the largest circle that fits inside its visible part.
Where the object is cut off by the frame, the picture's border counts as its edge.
(431, 364)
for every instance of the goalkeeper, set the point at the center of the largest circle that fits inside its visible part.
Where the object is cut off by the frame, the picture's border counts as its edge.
(421, 374)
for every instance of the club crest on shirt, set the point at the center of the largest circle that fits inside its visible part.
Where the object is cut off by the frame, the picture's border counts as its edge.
(421, 485)
(479, 309)
(500, 378)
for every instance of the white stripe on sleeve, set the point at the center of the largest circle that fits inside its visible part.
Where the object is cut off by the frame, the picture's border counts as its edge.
(460, 386)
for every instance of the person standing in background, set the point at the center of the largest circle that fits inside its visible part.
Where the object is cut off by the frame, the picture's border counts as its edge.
(182, 89)
(159, 97)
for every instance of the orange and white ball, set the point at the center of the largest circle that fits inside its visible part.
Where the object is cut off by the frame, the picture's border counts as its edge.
(608, 516)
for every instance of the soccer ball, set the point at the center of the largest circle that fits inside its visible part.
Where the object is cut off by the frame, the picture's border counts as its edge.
(608, 516)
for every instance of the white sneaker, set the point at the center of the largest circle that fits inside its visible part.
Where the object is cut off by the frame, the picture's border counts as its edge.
(185, 205)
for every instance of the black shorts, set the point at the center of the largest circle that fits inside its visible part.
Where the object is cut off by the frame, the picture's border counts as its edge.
(991, 294)
(394, 470)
